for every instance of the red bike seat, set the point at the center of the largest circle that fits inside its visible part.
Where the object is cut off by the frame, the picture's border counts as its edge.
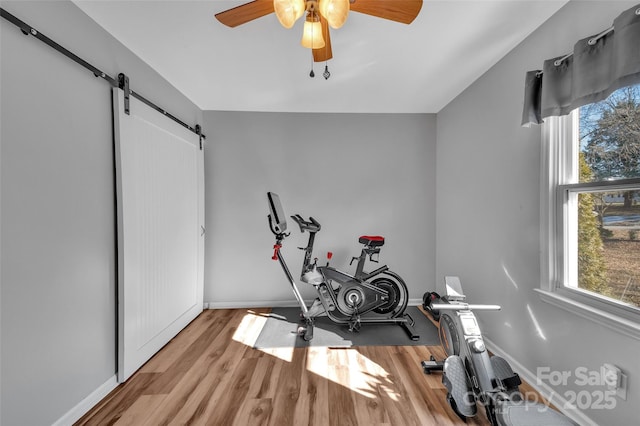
(371, 240)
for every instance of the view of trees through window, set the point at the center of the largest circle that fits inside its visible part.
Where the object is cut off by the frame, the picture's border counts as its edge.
(609, 220)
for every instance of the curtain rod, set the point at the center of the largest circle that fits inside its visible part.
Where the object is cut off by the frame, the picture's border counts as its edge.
(591, 42)
(29, 30)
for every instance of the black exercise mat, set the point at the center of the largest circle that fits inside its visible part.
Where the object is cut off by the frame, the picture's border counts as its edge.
(280, 332)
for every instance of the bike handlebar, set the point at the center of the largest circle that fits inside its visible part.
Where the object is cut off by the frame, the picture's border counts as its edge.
(311, 225)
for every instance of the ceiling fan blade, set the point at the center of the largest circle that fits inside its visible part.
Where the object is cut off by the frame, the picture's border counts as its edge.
(245, 12)
(324, 53)
(404, 11)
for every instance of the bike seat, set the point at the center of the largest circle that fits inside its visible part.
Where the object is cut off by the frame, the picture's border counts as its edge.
(372, 240)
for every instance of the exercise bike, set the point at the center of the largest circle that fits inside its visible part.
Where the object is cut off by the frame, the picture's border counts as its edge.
(470, 374)
(377, 297)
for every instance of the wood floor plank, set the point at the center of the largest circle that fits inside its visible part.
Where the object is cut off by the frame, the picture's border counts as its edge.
(137, 413)
(288, 390)
(212, 338)
(256, 411)
(263, 382)
(196, 390)
(368, 381)
(211, 375)
(318, 391)
(397, 399)
(175, 348)
(222, 407)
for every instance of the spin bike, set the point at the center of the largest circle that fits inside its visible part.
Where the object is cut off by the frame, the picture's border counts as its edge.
(377, 297)
(470, 374)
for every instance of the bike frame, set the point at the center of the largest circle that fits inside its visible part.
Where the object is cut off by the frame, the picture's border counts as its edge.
(349, 308)
(330, 274)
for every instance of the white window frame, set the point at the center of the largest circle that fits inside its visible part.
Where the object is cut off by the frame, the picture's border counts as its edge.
(559, 168)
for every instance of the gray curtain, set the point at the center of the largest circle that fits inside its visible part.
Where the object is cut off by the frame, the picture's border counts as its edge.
(598, 66)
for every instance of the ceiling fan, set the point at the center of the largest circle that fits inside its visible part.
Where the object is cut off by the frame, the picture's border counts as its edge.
(320, 14)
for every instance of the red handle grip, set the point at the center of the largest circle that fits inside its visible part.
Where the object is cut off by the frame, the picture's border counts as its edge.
(276, 249)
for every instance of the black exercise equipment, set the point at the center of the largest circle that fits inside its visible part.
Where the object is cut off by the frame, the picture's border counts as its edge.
(377, 297)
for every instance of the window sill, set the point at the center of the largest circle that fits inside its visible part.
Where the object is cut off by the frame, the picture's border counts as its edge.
(607, 319)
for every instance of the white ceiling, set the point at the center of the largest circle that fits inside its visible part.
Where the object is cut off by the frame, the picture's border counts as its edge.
(378, 66)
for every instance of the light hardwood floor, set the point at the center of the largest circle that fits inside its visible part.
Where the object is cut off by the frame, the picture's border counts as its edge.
(210, 374)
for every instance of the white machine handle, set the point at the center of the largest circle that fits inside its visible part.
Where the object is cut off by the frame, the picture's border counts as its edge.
(464, 307)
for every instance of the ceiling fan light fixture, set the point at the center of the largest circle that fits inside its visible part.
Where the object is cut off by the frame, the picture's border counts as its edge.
(288, 11)
(312, 33)
(335, 12)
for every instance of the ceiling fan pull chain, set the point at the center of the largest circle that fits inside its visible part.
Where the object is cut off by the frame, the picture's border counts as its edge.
(312, 74)
(326, 74)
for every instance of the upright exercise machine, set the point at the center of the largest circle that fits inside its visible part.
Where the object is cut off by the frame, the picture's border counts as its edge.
(376, 297)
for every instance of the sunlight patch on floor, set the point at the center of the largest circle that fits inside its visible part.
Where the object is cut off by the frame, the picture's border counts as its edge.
(368, 379)
(249, 328)
(285, 354)
(248, 331)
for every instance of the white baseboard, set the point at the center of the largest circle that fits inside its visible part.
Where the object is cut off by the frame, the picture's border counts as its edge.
(252, 304)
(272, 304)
(542, 388)
(88, 403)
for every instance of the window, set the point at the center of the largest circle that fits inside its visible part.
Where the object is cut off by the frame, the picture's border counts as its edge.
(590, 217)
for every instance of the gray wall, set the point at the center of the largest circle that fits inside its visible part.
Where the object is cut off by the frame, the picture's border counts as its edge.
(58, 250)
(488, 215)
(355, 173)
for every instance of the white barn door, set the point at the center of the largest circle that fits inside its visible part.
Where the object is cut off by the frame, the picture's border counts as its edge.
(160, 198)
